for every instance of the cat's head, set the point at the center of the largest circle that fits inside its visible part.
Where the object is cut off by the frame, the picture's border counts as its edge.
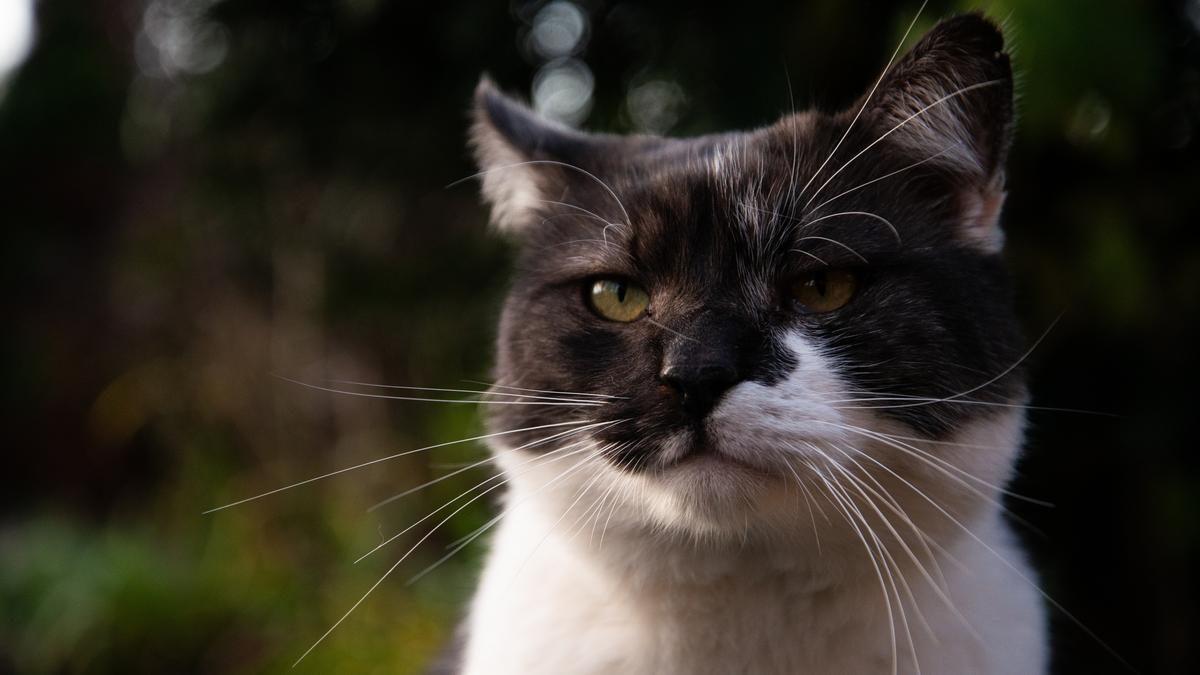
(745, 318)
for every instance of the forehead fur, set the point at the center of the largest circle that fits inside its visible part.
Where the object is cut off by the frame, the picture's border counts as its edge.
(703, 204)
(945, 108)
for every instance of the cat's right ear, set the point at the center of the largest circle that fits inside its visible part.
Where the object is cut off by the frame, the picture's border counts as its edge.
(523, 158)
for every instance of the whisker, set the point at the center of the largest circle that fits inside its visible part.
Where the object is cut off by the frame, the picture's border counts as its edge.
(916, 401)
(993, 380)
(939, 589)
(865, 214)
(551, 162)
(1013, 568)
(935, 461)
(554, 453)
(807, 495)
(831, 241)
(800, 250)
(923, 539)
(494, 385)
(392, 569)
(387, 458)
(624, 497)
(889, 562)
(388, 397)
(672, 331)
(482, 392)
(866, 102)
(480, 531)
(870, 554)
(480, 463)
(860, 186)
(586, 212)
(889, 132)
(580, 495)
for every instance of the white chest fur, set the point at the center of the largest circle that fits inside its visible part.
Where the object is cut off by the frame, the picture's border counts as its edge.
(547, 604)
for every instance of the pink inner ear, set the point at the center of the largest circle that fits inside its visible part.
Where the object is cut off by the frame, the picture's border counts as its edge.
(981, 215)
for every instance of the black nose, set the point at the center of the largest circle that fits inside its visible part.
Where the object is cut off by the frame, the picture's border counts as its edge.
(699, 385)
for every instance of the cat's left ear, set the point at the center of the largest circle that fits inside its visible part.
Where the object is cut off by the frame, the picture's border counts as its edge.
(951, 99)
(526, 160)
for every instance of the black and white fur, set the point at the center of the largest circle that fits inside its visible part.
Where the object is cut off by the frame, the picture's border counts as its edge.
(831, 502)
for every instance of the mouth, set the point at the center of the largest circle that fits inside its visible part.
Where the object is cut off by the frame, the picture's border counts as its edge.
(700, 451)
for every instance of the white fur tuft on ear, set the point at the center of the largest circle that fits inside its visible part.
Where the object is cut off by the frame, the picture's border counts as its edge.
(520, 156)
(511, 187)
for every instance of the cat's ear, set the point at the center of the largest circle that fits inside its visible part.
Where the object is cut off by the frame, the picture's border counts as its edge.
(951, 99)
(523, 158)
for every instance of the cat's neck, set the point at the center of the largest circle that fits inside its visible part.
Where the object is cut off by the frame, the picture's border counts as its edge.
(551, 601)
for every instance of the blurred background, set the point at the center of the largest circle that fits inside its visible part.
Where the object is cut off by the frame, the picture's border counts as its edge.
(196, 195)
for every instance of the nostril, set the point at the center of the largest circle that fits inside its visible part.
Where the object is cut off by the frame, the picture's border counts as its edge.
(699, 385)
(674, 376)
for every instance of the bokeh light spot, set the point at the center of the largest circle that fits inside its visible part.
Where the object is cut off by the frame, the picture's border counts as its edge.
(178, 38)
(16, 34)
(559, 29)
(562, 91)
(655, 106)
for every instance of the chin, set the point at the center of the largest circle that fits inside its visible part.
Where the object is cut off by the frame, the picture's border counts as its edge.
(711, 492)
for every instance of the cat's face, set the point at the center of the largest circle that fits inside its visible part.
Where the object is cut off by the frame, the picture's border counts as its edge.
(743, 318)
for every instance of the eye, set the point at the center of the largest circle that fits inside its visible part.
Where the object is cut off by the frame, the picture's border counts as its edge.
(618, 299)
(824, 291)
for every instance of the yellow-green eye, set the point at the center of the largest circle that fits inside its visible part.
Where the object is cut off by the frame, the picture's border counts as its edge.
(618, 299)
(824, 291)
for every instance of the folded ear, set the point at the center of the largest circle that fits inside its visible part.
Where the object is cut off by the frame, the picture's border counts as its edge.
(524, 159)
(950, 98)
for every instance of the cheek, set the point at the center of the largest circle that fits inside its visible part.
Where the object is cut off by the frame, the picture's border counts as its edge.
(569, 359)
(588, 356)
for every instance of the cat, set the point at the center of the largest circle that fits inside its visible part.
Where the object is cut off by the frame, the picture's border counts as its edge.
(771, 390)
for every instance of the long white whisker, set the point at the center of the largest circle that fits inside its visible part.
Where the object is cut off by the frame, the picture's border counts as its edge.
(874, 563)
(672, 331)
(800, 250)
(392, 569)
(556, 454)
(865, 214)
(624, 499)
(486, 460)
(860, 186)
(889, 132)
(466, 541)
(866, 102)
(472, 401)
(1015, 570)
(551, 162)
(579, 394)
(939, 589)
(889, 562)
(991, 381)
(807, 495)
(944, 467)
(481, 392)
(831, 241)
(576, 207)
(888, 500)
(388, 458)
(916, 401)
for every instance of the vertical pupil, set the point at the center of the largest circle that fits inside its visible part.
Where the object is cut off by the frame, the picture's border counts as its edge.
(820, 282)
(621, 292)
